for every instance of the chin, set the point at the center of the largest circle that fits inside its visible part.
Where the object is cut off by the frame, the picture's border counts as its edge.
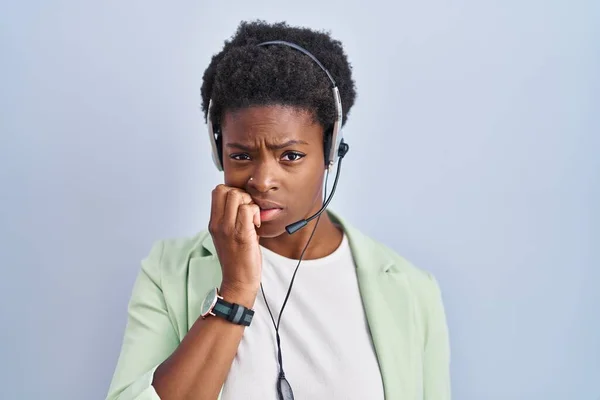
(269, 230)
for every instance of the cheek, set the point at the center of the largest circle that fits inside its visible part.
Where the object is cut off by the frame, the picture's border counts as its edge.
(235, 179)
(310, 186)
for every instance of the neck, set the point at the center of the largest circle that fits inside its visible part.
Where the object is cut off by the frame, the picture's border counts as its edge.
(325, 241)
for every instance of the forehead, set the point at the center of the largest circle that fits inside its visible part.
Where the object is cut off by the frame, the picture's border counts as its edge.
(272, 121)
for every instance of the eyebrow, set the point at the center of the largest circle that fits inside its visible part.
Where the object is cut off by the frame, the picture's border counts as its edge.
(280, 146)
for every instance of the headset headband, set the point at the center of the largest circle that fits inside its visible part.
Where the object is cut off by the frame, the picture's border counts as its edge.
(302, 50)
(331, 153)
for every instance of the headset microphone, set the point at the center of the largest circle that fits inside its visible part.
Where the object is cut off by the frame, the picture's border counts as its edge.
(296, 226)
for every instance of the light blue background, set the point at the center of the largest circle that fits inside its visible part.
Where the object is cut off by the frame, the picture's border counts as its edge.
(475, 153)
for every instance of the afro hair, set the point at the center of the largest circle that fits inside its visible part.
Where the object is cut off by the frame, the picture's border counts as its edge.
(244, 74)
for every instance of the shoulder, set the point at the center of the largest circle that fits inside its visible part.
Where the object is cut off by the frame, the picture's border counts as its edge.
(421, 284)
(373, 251)
(374, 254)
(171, 256)
(185, 247)
(416, 274)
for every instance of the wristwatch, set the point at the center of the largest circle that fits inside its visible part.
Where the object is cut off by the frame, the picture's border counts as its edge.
(214, 305)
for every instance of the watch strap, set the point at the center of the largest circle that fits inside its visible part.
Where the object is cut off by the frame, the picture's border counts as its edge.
(233, 313)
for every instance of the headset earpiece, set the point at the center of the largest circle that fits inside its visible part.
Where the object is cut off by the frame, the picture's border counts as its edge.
(219, 144)
(327, 135)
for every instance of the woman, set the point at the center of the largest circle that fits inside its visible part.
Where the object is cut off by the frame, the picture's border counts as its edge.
(206, 317)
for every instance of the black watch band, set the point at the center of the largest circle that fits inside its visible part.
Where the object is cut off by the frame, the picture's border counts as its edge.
(233, 313)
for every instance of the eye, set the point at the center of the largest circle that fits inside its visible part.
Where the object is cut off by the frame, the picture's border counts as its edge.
(240, 157)
(293, 156)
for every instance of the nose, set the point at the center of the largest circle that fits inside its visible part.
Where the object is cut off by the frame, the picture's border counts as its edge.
(264, 177)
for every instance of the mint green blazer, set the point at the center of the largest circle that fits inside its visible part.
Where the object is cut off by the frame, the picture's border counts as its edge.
(403, 305)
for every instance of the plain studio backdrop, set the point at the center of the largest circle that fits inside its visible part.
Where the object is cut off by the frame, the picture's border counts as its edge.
(475, 153)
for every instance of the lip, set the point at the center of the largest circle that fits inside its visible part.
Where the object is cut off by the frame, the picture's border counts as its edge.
(270, 214)
(266, 204)
(269, 210)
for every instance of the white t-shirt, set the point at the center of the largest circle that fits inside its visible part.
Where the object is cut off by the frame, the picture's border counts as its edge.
(325, 342)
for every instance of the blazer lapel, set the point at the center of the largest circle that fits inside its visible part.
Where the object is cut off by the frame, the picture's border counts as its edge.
(204, 273)
(389, 309)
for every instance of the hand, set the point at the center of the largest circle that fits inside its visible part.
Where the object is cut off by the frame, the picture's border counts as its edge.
(233, 221)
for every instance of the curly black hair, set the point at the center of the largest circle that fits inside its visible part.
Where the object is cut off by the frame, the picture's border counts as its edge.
(244, 74)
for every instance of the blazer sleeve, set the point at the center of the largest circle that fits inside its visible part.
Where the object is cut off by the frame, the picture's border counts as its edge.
(436, 364)
(149, 335)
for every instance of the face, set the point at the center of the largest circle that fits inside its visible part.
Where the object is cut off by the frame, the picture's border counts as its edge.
(281, 149)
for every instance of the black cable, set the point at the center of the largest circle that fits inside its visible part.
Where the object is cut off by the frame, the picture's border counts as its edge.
(282, 379)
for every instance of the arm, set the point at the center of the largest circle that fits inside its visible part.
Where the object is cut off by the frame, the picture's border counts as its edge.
(153, 365)
(149, 335)
(436, 363)
(199, 366)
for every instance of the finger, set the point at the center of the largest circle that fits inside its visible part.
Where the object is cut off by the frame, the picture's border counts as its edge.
(245, 225)
(235, 198)
(256, 219)
(219, 199)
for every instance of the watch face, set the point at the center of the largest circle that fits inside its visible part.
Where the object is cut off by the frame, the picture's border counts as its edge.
(209, 302)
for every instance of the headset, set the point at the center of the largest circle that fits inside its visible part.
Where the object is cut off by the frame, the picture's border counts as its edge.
(333, 138)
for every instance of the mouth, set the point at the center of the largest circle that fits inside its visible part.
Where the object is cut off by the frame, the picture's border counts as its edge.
(269, 214)
(268, 210)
